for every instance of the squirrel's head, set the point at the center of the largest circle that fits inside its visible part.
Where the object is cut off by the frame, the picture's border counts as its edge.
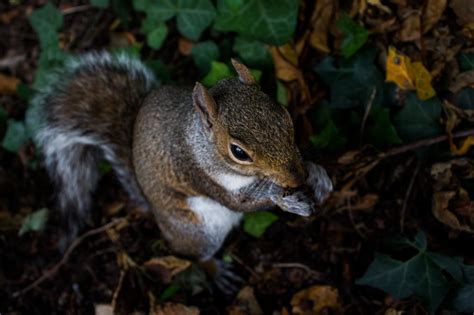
(253, 134)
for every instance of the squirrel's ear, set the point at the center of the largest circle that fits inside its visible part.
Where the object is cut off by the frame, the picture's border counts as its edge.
(245, 76)
(205, 105)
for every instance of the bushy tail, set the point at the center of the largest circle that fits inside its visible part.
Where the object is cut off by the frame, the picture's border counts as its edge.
(88, 113)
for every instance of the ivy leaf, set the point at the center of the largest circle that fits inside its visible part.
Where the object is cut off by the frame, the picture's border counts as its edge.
(36, 221)
(272, 22)
(465, 98)
(219, 71)
(252, 52)
(15, 136)
(329, 138)
(256, 223)
(418, 275)
(193, 16)
(46, 22)
(204, 53)
(100, 3)
(418, 119)
(282, 93)
(156, 37)
(381, 131)
(450, 264)
(462, 300)
(466, 61)
(352, 81)
(355, 35)
(3, 116)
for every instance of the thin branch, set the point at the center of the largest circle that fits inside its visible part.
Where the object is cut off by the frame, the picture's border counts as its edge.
(407, 196)
(424, 143)
(315, 274)
(368, 108)
(52, 271)
(76, 9)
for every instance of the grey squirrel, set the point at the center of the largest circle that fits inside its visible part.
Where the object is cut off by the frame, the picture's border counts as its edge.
(198, 158)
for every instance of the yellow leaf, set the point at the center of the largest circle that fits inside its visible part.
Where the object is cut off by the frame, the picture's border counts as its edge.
(409, 76)
(398, 70)
(467, 143)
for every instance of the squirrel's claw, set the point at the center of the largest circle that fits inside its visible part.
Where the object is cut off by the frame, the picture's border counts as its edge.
(223, 275)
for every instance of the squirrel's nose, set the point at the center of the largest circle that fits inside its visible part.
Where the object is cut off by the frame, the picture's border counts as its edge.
(296, 176)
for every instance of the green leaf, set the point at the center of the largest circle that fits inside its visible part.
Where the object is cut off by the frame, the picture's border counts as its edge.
(351, 82)
(218, 72)
(381, 131)
(463, 300)
(3, 116)
(15, 136)
(169, 292)
(355, 35)
(50, 59)
(33, 119)
(329, 138)
(465, 98)
(450, 264)
(466, 61)
(36, 221)
(252, 52)
(46, 22)
(256, 223)
(100, 3)
(418, 119)
(418, 275)
(272, 22)
(468, 272)
(203, 54)
(25, 92)
(156, 37)
(282, 93)
(193, 16)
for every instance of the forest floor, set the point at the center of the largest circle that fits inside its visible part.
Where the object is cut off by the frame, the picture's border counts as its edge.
(382, 194)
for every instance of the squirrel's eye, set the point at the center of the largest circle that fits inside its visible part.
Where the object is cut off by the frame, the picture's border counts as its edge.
(239, 153)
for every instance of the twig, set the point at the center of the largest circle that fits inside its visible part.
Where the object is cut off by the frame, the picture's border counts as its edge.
(367, 112)
(117, 289)
(315, 274)
(77, 9)
(407, 196)
(52, 271)
(424, 143)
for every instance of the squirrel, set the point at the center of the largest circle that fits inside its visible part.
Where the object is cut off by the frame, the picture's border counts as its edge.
(197, 158)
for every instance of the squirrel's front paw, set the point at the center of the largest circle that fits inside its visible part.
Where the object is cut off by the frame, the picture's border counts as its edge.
(319, 182)
(298, 203)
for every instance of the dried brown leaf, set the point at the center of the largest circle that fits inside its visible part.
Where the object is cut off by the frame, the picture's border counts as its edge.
(462, 80)
(321, 19)
(185, 46)
(464, 9)
(8, 84)
(411, 27)
(166, 267)
(103, 309)
(245, 303)
(433, 11)
(175, 309)
(318, 299)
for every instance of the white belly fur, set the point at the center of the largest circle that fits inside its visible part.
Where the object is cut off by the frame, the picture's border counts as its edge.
(217, 219)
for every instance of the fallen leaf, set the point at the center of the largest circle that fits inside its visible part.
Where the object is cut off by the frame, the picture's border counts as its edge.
(464, 9)
(166, 267)
(461, 81)
(103, 309)
(175, 309)
(465, 146)
(432, 13)
(408, 75)
(318, 299)
(321, 19)
(185, 46)
(8, 84)
(284, 68)
(411, 27)
(380, 6)
(245, 303)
